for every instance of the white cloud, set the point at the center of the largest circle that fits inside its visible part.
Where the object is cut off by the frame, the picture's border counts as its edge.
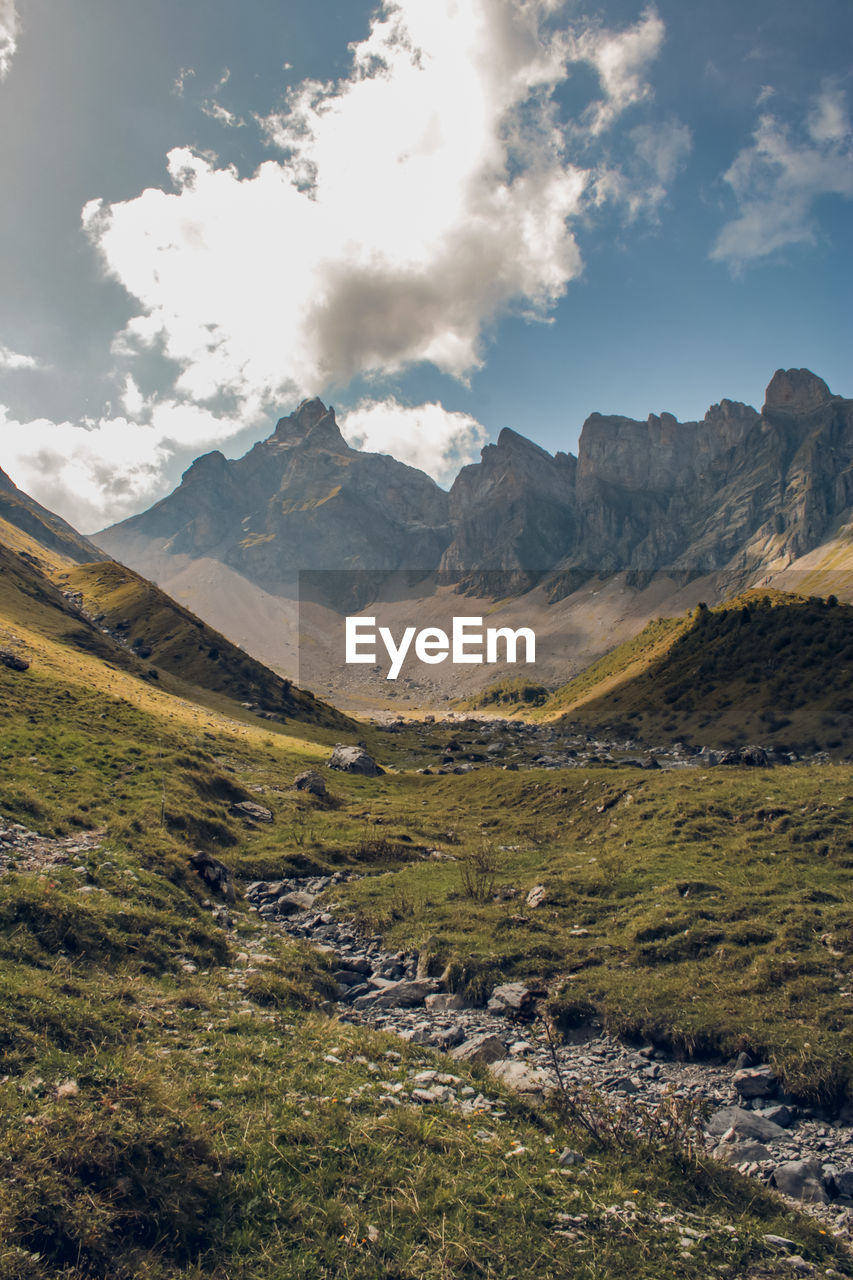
(427, 436)
(778, 179)
(12, 360)
(622, 60)
(181, 79)
(101, 470)
(9, 29)
(411, 204)
(404, 209)
(641, 183)
(222, 115)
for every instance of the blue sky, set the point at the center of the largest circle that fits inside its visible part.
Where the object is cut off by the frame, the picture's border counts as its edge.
(443, 216)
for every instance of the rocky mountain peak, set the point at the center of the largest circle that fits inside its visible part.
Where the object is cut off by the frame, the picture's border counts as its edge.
(510, 441)
(795, 391)
(311, 422)
(206, 468)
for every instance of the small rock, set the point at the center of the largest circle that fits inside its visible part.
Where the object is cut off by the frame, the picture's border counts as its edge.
(568, 1157)
(536, 896)
(214, 873)
(738, 1153)
(446, 1001)
(299, 900)
(780, 1242)
(251, 812)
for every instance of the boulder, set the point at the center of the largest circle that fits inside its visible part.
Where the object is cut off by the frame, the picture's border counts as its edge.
(801, 1180)
(513, 998)
(446, 1002)
(536, 896)
(214, 873)
(745, 1124)
(251, 812)
(531, 1082)
(13, 661)
(755, 1082)
(354, 760)
(310, 781)
(480, 1050)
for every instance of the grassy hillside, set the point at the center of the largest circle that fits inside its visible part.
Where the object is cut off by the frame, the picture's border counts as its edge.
(175, 1102)
(21, 512)
(163, 633)
(767, 667)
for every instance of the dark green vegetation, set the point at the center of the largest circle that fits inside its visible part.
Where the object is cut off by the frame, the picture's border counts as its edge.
(176, 1104)
(769, 668)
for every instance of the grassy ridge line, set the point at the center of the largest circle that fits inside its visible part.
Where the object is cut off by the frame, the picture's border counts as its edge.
(54, 535)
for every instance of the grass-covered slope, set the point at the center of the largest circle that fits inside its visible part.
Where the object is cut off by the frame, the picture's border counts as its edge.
(172, 1103)
(770, 668)
(55, 534)
(164, 633)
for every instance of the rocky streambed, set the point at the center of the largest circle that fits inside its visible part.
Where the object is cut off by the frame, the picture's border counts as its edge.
(751, 1123)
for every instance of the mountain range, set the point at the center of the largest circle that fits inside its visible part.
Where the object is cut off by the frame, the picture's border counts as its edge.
(650, 517)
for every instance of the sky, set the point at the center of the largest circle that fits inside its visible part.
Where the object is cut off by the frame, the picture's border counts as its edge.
(444, 217)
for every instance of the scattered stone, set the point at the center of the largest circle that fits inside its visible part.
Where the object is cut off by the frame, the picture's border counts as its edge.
(569, 1157)
(354, 760)
(312, 782)
(536, 896)
(844, 1183)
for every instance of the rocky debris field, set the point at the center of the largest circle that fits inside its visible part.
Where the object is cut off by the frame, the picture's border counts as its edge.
(23, 850)
(452, 746)
(748, 1120)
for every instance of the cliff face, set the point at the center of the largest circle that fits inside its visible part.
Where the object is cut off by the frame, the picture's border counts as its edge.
(737, 490)
(302, 499)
